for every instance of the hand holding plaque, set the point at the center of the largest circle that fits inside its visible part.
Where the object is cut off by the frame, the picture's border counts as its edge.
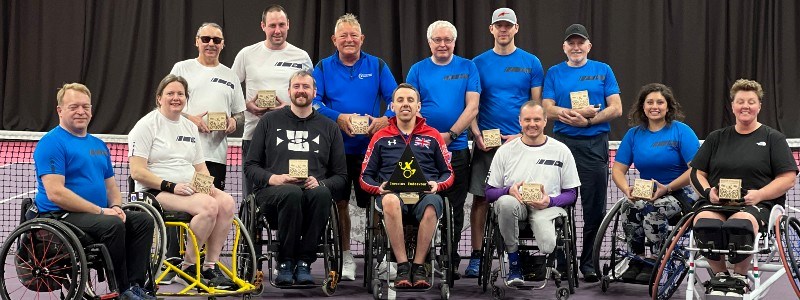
(298, 168)
(642, 189)
(360, 124)
(267, 99)
(730, 191)
(217, 121)
(579, 99)
(531, 192)
(492, 138)
(202, 183)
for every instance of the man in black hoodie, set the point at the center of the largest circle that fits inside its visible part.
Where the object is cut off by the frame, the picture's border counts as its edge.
(301, 206)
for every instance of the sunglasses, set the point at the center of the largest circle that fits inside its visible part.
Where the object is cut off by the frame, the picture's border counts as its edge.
(206, 39)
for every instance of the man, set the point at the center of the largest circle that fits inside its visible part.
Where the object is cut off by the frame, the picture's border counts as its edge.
(584, 129)
(449, 87)
(531, 158)
(351, 83)
(267, 65)
(76, 185)
(300, 206)
(509, 77)
(214, 88)
(385, 151)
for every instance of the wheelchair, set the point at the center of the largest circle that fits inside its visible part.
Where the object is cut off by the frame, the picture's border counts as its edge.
(54, 259)
(378, 249)
(264, 235)
(679, 258)
(238, 266)
(611, 254)
(536, 266)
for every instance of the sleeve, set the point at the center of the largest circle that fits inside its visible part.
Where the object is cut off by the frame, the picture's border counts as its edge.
(199, 157)
(256, 156)
(537, 73)
(337, 179)
(140, 140)
(548, 90)
(442, 157)
(369, 179)
(689, 143)
(321, 99)
(495, 184)
(781, 159)
(387, 86)
(610, 85)
(702, 159)
(109, 171)
(237, 103)
(413, 76)
(566, 198)
(569, 172)
(49, 157)
(474, 84)
(175, 70)
(625, 150)
(307, 63)
(239, 66)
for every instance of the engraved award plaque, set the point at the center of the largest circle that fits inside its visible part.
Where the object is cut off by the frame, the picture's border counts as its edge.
(730, 190)
(642, 189)
(492, 138)
(407, 175)
(267, 99)
(579, 99)
(202, 183)
(217, 121)
(298, 168)
(531, 192)
(360, 124)
(409, 198)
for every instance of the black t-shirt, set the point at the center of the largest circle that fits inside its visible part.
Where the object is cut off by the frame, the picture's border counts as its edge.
(755, 158)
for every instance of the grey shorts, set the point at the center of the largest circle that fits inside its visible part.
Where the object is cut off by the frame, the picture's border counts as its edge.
(481, 162)
(419, 209)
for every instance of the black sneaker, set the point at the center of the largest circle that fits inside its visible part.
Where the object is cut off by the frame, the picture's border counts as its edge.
(634, 268)
(217, 279)
(646, 271)
(419, 276)
(190, 270)
(403, 279)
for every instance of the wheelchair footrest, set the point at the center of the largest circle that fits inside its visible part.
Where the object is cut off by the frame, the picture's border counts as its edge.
(113, 295)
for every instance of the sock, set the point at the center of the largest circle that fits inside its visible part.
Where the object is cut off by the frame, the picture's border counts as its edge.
(209, 265)
(476, 254)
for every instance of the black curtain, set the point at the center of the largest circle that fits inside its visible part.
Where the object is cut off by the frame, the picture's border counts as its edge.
(121, 49)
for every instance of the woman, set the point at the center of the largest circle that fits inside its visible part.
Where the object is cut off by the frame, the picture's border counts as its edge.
(164, 155)
(661, 147)
(761, 158)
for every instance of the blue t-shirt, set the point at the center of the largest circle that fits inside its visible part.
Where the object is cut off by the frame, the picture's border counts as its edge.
(85, 163)
(506, 83)
(662, 155)
(357, 89)
(594, 77)
(443, 90)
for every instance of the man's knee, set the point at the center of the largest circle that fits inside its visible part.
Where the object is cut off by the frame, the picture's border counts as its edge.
(391, 205)
(319, 194)
(506, 205)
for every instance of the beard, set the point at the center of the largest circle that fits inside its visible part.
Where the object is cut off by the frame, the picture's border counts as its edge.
(300, 99)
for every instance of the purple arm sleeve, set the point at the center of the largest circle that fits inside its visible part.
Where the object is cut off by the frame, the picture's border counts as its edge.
(492, 193)
(567, 197)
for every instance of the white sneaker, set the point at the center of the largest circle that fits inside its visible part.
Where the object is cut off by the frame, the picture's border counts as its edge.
(717, 293)
(348, 267)
(382, 269)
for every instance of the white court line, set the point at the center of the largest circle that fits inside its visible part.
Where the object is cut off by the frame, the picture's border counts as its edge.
(792, 208)
(17, 196)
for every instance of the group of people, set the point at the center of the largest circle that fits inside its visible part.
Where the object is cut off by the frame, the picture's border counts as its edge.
(444, 98)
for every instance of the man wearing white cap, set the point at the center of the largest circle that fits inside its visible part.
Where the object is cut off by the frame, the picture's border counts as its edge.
(584, 127)
(509, 77)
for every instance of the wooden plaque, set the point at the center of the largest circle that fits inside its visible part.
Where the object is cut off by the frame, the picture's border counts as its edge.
(642, 189)
(492, 138)
(298, 168)
(730, 189)
(531, 192)
(579, 99)
(202, 183)
(267, 99)
(217, 121)
(360, 124)
(409, 198)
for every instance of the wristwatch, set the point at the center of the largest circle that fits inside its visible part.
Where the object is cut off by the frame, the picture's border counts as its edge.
(453, 135)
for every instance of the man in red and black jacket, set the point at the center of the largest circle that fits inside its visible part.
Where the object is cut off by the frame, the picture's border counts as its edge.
(384, 152)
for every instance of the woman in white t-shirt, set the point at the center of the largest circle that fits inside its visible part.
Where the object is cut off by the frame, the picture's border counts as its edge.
(164, 154)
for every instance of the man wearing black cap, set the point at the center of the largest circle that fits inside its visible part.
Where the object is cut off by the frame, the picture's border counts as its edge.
(582, 95)
(509, 77)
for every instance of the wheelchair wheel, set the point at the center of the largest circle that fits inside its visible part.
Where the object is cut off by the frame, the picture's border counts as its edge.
(610, 237)
(570, 254)
(248, 222)
(48, 262)
(788, 241)
(159, 248)
(447, 243)
(673, 266)
(369, 245)
(332, 253)
(245, 252)
(487, 247)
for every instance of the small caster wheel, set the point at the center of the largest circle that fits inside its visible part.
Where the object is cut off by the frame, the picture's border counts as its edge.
(604, 283)
(328, 288)
(377, 286)
(562, 293)
(445, 291)
(498, 293)
(247, 297)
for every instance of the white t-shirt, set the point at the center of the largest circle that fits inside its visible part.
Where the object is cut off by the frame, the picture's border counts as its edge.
(550, 164)
(171, 148)
(263, 69)
(211, 89)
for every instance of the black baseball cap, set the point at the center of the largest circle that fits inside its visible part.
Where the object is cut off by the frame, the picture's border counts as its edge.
(576, 29)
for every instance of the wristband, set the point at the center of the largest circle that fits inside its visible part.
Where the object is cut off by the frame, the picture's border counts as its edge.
(116, 205)
(588, 122)
(101, 211)
(707, 193)
(168, 186)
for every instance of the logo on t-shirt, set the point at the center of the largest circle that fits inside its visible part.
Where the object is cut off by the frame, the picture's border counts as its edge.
(100, 152)
(762, 144)
(298, 141)
(550, 162)
(185, 139)
(518, 70)
(289, 64)
(593, 77)
(392, 142)
(456, 77)
(362, 75)
(664, 144)
(225, 82)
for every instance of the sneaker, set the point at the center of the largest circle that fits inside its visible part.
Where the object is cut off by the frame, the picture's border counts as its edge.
(742, 286)
(217, 279)
(634, 268)
(392, 269)
(348, 267)
(303, 273)
(403, 276)
(474, 265)
(168, 279)
(514, 270)
(420, 277)
(646, 271)
(285, 274)
(142, 293)
(190, 270)
(129, 295)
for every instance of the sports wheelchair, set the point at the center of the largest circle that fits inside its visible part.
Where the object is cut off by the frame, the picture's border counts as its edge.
(54, 259)
(679, 258)
(536, 266)
(611, 254)
(238, 266)
(264, 235)
(378, 250)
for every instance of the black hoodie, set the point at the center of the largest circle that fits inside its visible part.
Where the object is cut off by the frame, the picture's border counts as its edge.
(281, 135)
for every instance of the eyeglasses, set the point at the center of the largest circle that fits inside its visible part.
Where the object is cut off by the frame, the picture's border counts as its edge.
(74, 107)
(206, 39)
(447, 41)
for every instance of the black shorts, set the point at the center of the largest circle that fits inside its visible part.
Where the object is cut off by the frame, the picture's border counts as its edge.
(217, 170)
(760, 211)
(353, 178)
(153, 192)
